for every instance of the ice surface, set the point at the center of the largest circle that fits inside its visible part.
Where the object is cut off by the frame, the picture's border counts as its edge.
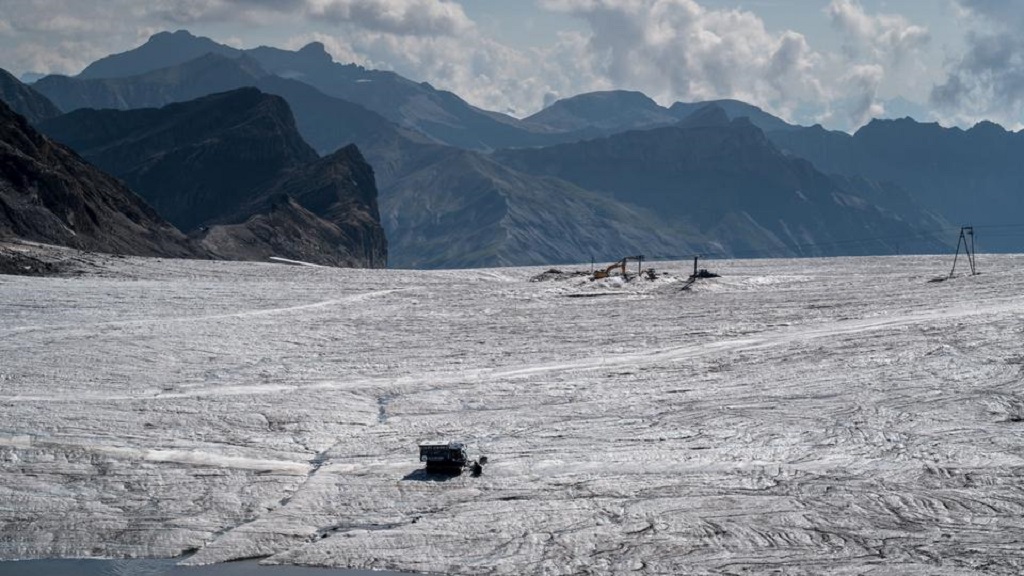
(839, 416)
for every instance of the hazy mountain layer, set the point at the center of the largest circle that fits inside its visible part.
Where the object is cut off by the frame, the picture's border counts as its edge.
(604, 113)
(972, 177)
(727, 181)
(327, 123)
(442, 116)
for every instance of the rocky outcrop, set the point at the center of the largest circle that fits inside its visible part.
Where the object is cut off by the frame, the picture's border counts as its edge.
(24, 100)
(449, 208)
(324, 212)
(232, 170)
(49, 194)
(195, 162)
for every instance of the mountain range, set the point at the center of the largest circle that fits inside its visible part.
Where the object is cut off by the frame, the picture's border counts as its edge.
(972, 177)
(725, 180)
(224, 165)
(597, 175)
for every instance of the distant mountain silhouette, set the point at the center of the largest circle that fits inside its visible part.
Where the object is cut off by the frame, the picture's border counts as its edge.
(24, 100)
(178, 66)
(440, 115)
(162, 50)
(735, 109)
(210, 161)
(605, 113)
(727, 181)
(206, 74)
(971, 177)
(49, 194)
(325, 122)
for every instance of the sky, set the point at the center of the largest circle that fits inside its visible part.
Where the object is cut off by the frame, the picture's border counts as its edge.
(834, 62)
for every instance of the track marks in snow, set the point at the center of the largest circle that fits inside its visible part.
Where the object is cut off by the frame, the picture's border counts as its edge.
(758, 341)
(198, 458)
(355, 298)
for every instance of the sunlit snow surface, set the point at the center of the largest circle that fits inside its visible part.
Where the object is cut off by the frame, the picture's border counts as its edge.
(839, 416)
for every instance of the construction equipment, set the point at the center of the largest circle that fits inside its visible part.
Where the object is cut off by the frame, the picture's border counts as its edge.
(621, 265)
(449, 458)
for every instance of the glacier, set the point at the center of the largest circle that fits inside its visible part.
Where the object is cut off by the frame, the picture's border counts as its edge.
(805, 416)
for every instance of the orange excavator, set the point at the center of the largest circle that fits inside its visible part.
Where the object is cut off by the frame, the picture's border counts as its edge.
(620, 265)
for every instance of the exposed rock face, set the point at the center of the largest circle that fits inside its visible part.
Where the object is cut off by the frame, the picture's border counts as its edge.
(324, 212)
(24, 100)
(213, 165)
(450, 208)
(195, 162)
(726, 180)
(49, 194)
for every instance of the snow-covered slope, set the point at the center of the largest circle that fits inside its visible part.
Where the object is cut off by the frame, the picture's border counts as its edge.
(795, 417)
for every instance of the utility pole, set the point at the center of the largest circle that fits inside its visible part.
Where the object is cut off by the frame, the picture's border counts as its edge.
(965, 231)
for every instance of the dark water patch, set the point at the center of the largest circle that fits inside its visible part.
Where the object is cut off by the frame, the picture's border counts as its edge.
(169, 567)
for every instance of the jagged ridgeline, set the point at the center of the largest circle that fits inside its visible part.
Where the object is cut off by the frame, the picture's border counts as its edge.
(232, 170)
(596, 175)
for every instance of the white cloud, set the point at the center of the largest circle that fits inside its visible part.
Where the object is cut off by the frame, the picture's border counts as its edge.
(679, 50)
(876, 48)
(670, 49)
(863, 105)
(987, 81)
(880, 38)
(400, 17)
(90, 30)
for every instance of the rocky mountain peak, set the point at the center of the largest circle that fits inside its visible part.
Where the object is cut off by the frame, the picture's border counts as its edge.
(49, 194)
(162, 50)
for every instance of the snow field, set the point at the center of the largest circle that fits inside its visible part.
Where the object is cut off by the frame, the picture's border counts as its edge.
(817, 416)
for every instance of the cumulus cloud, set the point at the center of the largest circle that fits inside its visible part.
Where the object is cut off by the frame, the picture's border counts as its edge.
(94, 29)
(987, 81)
(402, 17)
(865, 79)
(680, 50)
(489, 75)
(876, 48)
(670, 49)
(879, 37)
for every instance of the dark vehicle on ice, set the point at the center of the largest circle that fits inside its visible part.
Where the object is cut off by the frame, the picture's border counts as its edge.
(449, 457)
